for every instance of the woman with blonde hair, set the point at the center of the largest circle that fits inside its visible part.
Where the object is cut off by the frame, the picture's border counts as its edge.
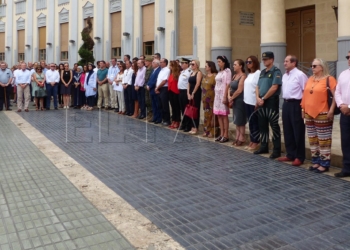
(194, 92)
(318, 115)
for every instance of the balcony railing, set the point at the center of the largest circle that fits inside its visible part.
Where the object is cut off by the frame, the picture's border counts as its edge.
(41, 4)
(20, 7)
(2, 10)
(62, 2)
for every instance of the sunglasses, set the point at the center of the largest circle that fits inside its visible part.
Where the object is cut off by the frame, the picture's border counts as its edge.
(192, 64)
(347, 57)
(248, 62)
(314, 66)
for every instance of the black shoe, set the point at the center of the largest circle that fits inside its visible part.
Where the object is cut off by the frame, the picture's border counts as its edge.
(48, 109)
(321, 171)
(224, 139)
(311, 168)
(275, 155)
(341, 175)
(56, 108)
(116, 110)
(182, 128)
(187, 130)
(8, 109)
(218, 138)
(166, 123)
(157, 122)
(261, 151)
(129, 114)
(75, 107)
(142, 117)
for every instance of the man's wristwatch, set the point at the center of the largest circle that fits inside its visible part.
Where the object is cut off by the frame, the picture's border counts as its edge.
(349, 106)
(262, 98)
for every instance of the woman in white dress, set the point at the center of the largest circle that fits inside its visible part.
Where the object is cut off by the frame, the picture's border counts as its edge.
(90, 86)
(118, 87)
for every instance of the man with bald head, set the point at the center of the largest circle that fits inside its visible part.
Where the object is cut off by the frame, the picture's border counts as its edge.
(23, 79)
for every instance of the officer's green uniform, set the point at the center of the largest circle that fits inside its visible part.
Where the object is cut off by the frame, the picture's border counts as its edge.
(269, 112)
(148, 99)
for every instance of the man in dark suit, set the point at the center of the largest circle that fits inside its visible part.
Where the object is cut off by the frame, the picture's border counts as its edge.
(151, 85)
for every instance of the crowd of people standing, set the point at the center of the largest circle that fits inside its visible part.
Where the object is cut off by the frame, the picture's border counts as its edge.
(168, 89)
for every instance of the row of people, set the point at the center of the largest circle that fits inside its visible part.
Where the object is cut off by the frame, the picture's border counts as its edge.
(254, 98)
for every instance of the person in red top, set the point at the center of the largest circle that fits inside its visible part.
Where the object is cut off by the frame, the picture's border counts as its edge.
(174, 94)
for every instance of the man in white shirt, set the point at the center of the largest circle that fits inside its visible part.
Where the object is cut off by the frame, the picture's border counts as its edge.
(23, 79)
(52, 80)
(162, 91)
(112, 73)
(139, 87)
(293, 83)
(129, 103)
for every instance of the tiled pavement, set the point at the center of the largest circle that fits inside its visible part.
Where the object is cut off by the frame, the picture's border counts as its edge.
(204, 195)
(39, 207)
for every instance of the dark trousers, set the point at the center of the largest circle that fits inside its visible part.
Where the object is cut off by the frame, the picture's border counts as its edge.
(183, 100)
(163, 98)
(269, 115)
(175, 106)
(129, 102)
(141, 99)
(31, 92)
(345, 141)
(294, 130)
(157, 116)
(5, 93)
(197, 103)
(253, 123)
(91, 101)
(51, 91)
(77, 96)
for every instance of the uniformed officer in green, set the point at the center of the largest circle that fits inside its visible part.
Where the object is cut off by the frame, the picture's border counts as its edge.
(267, 96)
(149, 69)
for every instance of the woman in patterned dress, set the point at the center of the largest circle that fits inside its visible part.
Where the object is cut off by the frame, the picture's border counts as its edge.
(208, 94)
(221, 109)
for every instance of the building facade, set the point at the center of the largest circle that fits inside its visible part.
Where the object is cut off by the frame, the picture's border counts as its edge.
(33, 30)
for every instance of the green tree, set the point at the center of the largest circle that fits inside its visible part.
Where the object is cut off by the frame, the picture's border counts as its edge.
(85, 51)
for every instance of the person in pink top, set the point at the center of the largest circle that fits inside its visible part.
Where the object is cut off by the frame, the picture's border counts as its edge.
(221, 109)
(342, 99)
(82, 88)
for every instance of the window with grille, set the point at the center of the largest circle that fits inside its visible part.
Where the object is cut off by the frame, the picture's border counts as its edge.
(148, 48)
(42, 54)
(117, 52)
(2, 57)
(64, 55)
(21, 57)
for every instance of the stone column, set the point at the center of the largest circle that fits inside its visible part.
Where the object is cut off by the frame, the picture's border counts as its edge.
(273, 30)
(73, 32)
(221, 29)
(343, 34)
(98, 30)
(128, 27)
(29, 32)
(50, 36)
(9, 53)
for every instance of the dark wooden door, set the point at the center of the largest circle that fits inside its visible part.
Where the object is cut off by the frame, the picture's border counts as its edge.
(300, 32)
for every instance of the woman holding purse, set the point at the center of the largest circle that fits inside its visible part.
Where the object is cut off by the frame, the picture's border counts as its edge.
(318, 115)
(235, 98)
(39, 88)
(194, 93)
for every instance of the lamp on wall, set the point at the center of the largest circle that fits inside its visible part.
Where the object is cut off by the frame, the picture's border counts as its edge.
(161, 29)
(126, 34)
(170, 11)
(71, 41)
(97, 38)
(27, 45)
(335, 8)
(49, 44)
(7, 47)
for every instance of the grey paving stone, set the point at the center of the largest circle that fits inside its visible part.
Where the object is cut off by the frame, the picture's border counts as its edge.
(204, 195)
(38, 204)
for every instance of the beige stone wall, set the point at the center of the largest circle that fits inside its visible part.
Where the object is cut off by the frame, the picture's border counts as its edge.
(245, 39)
(326, 26)
(169, 26)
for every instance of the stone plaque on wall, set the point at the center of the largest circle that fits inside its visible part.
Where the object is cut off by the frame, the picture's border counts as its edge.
(246, 18)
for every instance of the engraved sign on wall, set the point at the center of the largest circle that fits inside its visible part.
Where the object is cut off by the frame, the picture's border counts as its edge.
(246, 18)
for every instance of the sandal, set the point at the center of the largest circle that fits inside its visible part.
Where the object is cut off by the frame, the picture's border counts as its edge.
(218, 138)
(223, 140)
(205, 134)
(210, 135)
(239, 143)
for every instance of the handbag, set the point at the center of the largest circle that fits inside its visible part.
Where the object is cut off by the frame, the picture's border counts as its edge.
(41, 92)
(330, 99)
(191, 111)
